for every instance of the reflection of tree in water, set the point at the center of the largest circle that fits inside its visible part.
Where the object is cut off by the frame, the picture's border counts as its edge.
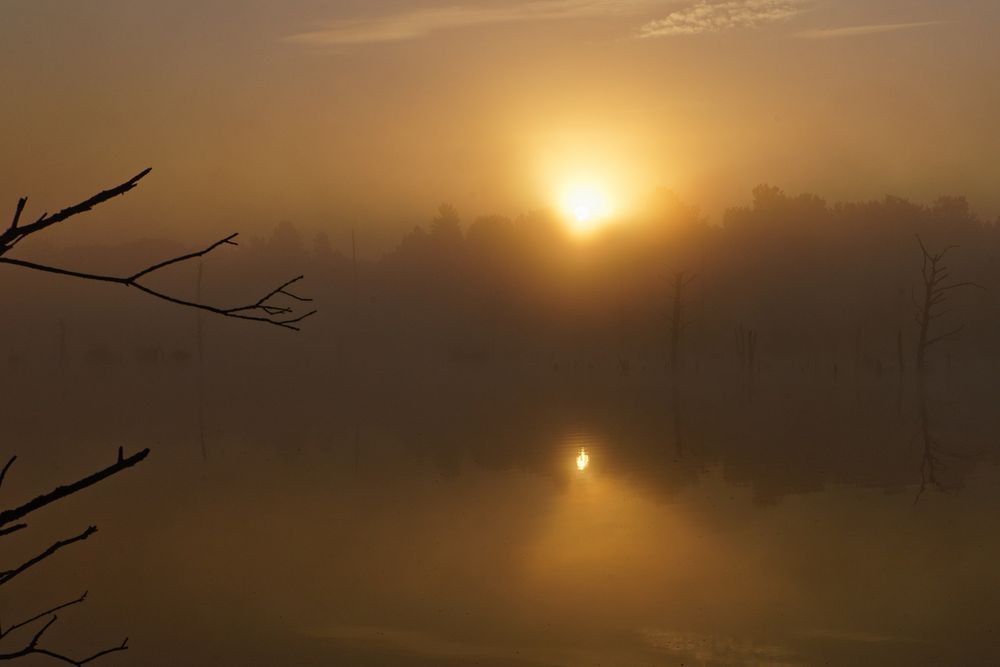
(930, 460)
(941, 468)
(678, 420)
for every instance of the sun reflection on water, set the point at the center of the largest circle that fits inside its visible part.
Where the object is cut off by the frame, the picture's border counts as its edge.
(582, 460)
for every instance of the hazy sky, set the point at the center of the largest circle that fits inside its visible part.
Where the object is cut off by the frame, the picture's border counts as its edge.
(366, 113)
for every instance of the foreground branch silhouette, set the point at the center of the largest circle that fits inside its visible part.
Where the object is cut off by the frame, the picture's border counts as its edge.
(7, 526)
(265, 309)
(262, 309)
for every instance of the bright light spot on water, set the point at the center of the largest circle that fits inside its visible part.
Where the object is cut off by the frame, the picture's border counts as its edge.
(582, 460)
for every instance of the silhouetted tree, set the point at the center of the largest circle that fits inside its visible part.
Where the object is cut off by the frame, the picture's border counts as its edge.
(264, 309)
(936, 288)
(446, 227)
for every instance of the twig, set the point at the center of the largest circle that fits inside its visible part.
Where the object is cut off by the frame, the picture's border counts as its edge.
(48, 220)
(53, 610)
(261, 305)
(7, 575)
(32, 648)
(3, 473)
(60, 492)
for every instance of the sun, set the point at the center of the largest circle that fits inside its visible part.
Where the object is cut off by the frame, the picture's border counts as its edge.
(585, 205)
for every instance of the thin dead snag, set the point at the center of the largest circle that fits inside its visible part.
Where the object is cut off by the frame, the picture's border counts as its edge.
(936, 289)
(263, 309)
(678, 320)
(7, 526)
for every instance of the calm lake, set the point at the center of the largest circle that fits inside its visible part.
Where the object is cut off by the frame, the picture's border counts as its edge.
(808, 522)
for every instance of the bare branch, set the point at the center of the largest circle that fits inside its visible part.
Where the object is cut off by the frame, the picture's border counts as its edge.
(60, 492)
(944, 275)
(7, 575)
(3, 473)
(269, 311)
(261, 310)
(236, 312)
(17, 212)
(945, 336)
(967, 283)
(923, 247)
(79, 663)
(53, 610)
(14, 233)
(62, 272)
(12, 529)
(945, 251)
(183, 258)
(32, 648)
(121, 463)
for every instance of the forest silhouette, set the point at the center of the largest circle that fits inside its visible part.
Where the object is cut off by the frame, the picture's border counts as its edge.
(816, 283)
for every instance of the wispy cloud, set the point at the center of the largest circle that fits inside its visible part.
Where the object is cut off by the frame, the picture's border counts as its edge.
(857, 30)
(717, 649)
(418, 23)
(718, 16)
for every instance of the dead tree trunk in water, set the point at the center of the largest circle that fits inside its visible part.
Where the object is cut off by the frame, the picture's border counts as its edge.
(934, 275)
(677, 318)
(746, 350)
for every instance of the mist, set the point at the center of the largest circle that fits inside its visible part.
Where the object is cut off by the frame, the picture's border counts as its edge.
(532, 333)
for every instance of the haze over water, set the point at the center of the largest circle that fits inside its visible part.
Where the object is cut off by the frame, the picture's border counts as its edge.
(644, 332)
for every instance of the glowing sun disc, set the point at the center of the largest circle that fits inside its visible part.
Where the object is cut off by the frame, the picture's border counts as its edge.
(586, 206)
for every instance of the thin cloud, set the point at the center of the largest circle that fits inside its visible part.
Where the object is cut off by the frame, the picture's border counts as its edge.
(855, 31)
(419, 23)
(705, 17)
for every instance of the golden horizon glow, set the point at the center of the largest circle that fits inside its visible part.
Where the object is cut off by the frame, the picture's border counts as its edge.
(586, 206)
(583, 460)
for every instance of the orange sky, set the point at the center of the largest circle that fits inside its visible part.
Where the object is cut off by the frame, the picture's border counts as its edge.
(368, 114)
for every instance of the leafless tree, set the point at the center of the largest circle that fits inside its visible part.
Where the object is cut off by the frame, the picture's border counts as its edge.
(276, 307)
(933, 305)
